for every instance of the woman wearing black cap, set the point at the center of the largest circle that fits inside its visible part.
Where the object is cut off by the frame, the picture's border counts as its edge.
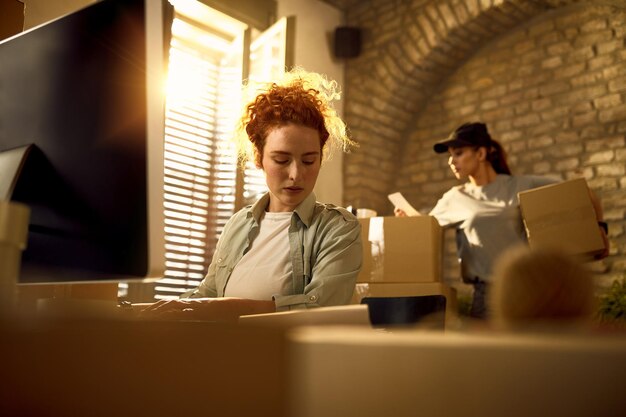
(485, 209)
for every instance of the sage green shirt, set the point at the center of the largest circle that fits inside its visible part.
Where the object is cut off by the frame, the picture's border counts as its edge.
(325, 251)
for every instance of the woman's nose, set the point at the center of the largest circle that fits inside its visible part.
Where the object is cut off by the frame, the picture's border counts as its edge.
(295, 171)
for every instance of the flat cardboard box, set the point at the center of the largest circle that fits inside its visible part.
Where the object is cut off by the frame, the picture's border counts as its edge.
(401, 249)
(363, 290)
(562, 216)
(352, 315)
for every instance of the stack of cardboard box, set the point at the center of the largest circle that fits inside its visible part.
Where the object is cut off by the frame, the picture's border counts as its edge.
(402, 256)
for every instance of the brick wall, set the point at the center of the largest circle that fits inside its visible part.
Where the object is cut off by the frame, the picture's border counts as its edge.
(548, 77)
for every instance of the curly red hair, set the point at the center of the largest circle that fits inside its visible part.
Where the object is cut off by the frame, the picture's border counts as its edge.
(281, 106)
(301, 98)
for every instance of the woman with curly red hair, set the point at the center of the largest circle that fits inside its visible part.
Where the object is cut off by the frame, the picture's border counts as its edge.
(286, 251)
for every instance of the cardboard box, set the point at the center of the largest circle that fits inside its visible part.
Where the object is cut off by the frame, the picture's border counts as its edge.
(363, 290)
(562, 216)
(114, 367)
(353, 315)
(409, 373)
(11, 18)
(401, 249)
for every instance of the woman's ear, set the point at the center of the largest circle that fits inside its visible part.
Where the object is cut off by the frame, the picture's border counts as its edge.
(482, 154)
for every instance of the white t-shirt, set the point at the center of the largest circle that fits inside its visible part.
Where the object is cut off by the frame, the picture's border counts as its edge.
(487, 219)
(265, 270)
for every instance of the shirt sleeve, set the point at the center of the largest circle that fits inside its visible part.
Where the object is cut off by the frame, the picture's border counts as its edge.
(529, 182)
(443, 210)
(539, 181)
(207, 287)
(338, 259)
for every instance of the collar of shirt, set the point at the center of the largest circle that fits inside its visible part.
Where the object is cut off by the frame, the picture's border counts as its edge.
(304, 210)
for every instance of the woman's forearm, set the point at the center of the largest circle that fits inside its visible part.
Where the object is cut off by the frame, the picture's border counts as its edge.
(209, 309)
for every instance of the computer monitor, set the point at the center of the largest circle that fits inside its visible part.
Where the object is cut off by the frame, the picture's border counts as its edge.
(82, 128)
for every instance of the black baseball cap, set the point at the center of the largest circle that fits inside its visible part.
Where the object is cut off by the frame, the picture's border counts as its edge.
(468, 134)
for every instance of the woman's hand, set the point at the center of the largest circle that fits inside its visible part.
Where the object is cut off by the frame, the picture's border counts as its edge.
(399, 212)
(212, 309)
(208, 309)
(607, 246)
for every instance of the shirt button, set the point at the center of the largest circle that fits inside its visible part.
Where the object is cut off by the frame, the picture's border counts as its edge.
(219, 260)
(312, 297)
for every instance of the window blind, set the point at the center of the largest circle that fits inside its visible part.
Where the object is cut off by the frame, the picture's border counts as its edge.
(210, 55)
(200, 170)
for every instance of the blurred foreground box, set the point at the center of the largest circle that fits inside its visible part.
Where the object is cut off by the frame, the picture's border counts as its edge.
(401, 249)
(421, 373)
(125, 367)
(562, 216)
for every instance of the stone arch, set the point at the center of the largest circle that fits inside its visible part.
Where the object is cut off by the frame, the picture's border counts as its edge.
(432, 39)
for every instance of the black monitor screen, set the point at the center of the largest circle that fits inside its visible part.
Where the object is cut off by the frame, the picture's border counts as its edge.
(81, 98)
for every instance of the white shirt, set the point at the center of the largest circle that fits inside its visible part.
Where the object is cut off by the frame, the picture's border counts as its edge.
(487, 219)
(265, 270)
